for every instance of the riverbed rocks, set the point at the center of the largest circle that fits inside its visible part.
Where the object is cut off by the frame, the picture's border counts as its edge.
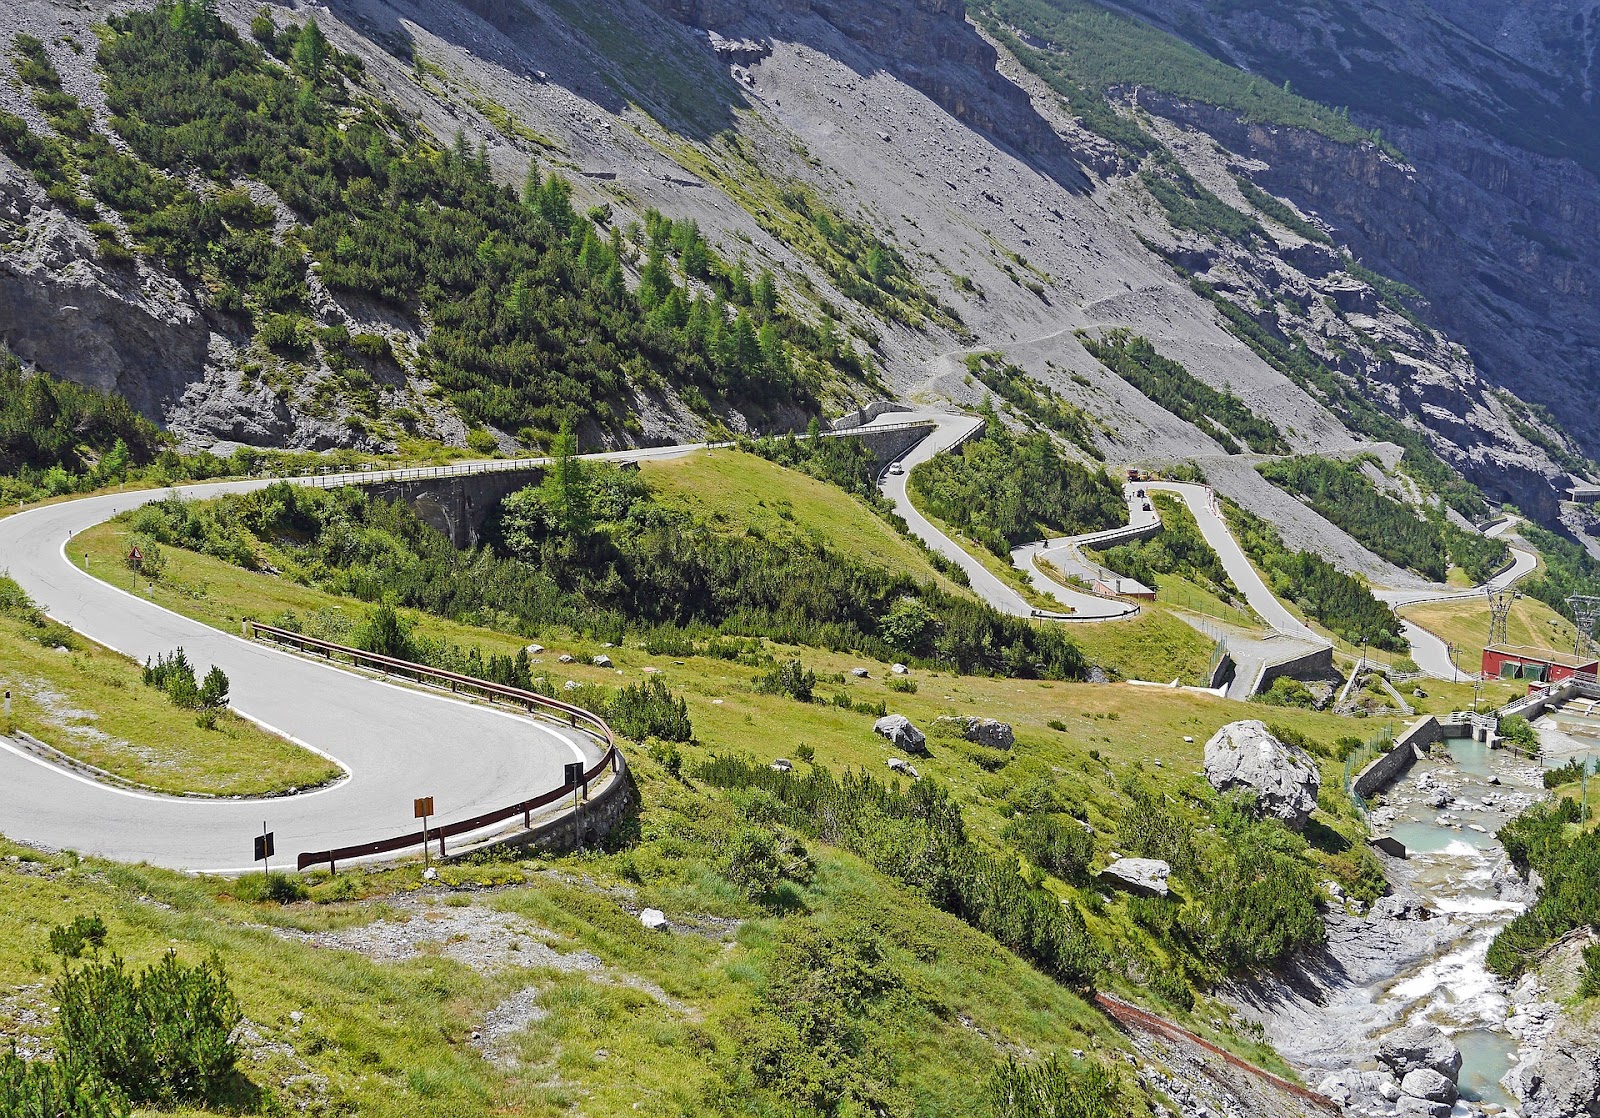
(1245, 755)
(1419, 1047)
(1145, 877)
(902, 734)
(1426, 1083)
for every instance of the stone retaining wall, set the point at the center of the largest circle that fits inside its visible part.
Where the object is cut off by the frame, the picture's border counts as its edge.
(1391, 766)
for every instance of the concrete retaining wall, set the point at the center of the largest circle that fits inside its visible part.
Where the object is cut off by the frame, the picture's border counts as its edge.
(891, 445)
(582, 829)
(862, 416)
(457, 506)
(1316, 664)
(1391, 766)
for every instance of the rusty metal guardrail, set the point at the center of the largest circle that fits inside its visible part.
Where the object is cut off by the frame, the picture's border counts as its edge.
(612, 761)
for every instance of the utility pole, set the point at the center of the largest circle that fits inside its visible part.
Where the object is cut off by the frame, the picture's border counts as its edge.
(1585, 612)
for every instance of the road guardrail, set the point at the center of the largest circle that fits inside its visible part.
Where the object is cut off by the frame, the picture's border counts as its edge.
(612, 762)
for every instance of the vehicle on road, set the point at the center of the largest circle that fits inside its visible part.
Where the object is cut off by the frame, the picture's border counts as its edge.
(896, 468)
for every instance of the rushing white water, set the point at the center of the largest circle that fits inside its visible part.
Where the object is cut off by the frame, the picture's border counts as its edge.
(1460, 871)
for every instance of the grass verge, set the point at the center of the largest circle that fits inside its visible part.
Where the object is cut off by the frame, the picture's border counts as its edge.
(91, 704)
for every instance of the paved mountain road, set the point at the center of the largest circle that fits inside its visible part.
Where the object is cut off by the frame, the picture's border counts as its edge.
(395, 743)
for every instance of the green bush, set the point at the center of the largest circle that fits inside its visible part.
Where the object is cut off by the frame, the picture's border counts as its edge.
(1589, 977)
(1056, 843)
(70, 940)
(649, 710)
(791, 678)
(161, 1036)
(60, 1088)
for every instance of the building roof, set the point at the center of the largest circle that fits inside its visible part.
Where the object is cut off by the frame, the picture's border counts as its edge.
(1527, 652)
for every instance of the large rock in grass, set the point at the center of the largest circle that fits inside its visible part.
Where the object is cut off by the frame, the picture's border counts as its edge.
(902, 734)
(985, 731)
(1145, 877)
(1415, 1047)
(1284, 779)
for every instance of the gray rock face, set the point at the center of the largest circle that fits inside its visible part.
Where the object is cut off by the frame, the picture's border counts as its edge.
(1564, 1082)
(1419, 1047)
(1284, 780)
(1146, 877)
(901, 733)
(1396, 907)
(1426, 1083)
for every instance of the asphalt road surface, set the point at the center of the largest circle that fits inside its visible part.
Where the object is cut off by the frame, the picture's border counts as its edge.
(395, 743)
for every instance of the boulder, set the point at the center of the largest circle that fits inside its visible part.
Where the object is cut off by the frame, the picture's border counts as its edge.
(1564, 1080)
(1146, 877)
(985, 731)
(991, 732)
(1284, 779)
(899, 669)
(1419, 1048)
(534, 649)
(602, 661)
(1426, 1083)
(564, 658)
(900, 765)
(1396, 907)
(901, 733)
(654, 919)
(782, 765)
(1409, 1106)
(859, 673)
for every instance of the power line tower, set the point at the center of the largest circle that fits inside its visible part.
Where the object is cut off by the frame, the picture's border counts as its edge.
(1500, 603)
(1585, 611)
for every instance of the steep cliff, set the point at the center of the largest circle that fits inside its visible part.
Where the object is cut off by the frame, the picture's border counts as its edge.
(930, 188)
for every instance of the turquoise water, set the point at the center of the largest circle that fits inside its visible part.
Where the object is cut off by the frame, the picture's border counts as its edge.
(1485, 1057)
(1430, 838)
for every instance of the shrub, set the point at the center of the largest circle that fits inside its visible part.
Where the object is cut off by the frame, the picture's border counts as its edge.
(161, 1036)
(386, 633)
(61, 1088)
(174, 675)
(649, 710)
(69, 940)
(902, 685)
(750, 860)
(1052, 842)
(1519, 732)
(793, 679)
(1589, 978)
(214, 691)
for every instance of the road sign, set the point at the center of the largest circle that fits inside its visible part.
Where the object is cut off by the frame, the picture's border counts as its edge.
(264, 846)
(574, 772)
(422, 807)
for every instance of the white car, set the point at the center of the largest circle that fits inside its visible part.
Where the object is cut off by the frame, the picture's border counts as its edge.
(896, 468)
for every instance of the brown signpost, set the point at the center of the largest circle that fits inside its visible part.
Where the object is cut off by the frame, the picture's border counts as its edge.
(421, 808)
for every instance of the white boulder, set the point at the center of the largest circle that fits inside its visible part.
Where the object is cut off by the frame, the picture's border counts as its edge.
(1284, 779)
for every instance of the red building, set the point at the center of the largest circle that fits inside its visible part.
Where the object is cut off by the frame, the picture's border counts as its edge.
(1536, 665)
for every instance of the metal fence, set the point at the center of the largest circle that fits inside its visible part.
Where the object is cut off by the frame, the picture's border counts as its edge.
(531, 701)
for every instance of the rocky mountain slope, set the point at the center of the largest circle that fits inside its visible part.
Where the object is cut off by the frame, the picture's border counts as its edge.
(1020, 214)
